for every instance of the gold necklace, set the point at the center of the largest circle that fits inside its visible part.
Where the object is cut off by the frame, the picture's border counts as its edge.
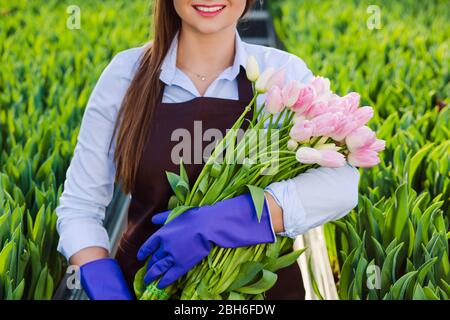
(200, 76)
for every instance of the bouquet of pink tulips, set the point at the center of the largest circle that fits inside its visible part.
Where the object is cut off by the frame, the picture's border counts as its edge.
(297, 127)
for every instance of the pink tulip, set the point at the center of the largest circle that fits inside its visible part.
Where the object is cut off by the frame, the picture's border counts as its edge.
(308, 155)
(302, 130)
(360, 138)
(277, 79)
(274, 100)
(345, 125)
(378, 145)
(321, 86)
(336, 104)
(363, 158)
(261, 85)
(317, 108)
(324, 124)
(350, 102)
(305, 98)
(363, 115)
(325, 158)
(290, 93)
(331, 159)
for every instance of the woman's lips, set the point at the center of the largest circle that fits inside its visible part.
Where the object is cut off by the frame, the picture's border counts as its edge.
(209, 11)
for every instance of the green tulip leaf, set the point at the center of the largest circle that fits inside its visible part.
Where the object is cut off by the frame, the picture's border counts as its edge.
(284, 261)
(248, 271)
(258, 198)
(266, 282)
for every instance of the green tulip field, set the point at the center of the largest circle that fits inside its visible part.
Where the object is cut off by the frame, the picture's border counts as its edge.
(48, 68)
(394, 245)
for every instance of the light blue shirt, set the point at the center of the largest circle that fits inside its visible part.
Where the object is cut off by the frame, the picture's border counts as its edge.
(308, 200)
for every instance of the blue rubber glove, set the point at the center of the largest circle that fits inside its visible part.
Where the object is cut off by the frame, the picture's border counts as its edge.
(183, 242)
(102, 279)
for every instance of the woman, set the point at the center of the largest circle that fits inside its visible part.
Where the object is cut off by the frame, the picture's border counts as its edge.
(193, 72)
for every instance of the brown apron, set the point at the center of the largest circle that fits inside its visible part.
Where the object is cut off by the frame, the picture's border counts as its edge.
(151, 191)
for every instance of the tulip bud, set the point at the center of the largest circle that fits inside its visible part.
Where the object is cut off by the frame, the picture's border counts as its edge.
(261, 83)
(324, 124)
(277, 79)
(252, 69)
(378, 145)
(308, 155)
(363, 158)
(274, 101)
(305, 98)
(292, 145)
(346, 124)
(331, 159)
(291, 93)
(302, 131)
(321, 86)
(359, 138)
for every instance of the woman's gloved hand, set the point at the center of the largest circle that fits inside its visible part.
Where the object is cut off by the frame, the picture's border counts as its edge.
(183, 242)
(103, 279)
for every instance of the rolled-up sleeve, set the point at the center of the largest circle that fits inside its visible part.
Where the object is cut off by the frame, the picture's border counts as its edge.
(89, 183)
(315, 197)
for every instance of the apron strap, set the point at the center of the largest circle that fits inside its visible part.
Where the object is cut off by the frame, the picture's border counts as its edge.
(244, 87)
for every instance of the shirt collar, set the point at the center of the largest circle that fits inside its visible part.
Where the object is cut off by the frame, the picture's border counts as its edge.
(168, 67)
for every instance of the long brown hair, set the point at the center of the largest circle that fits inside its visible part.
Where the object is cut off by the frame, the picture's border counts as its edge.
(144, 93)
